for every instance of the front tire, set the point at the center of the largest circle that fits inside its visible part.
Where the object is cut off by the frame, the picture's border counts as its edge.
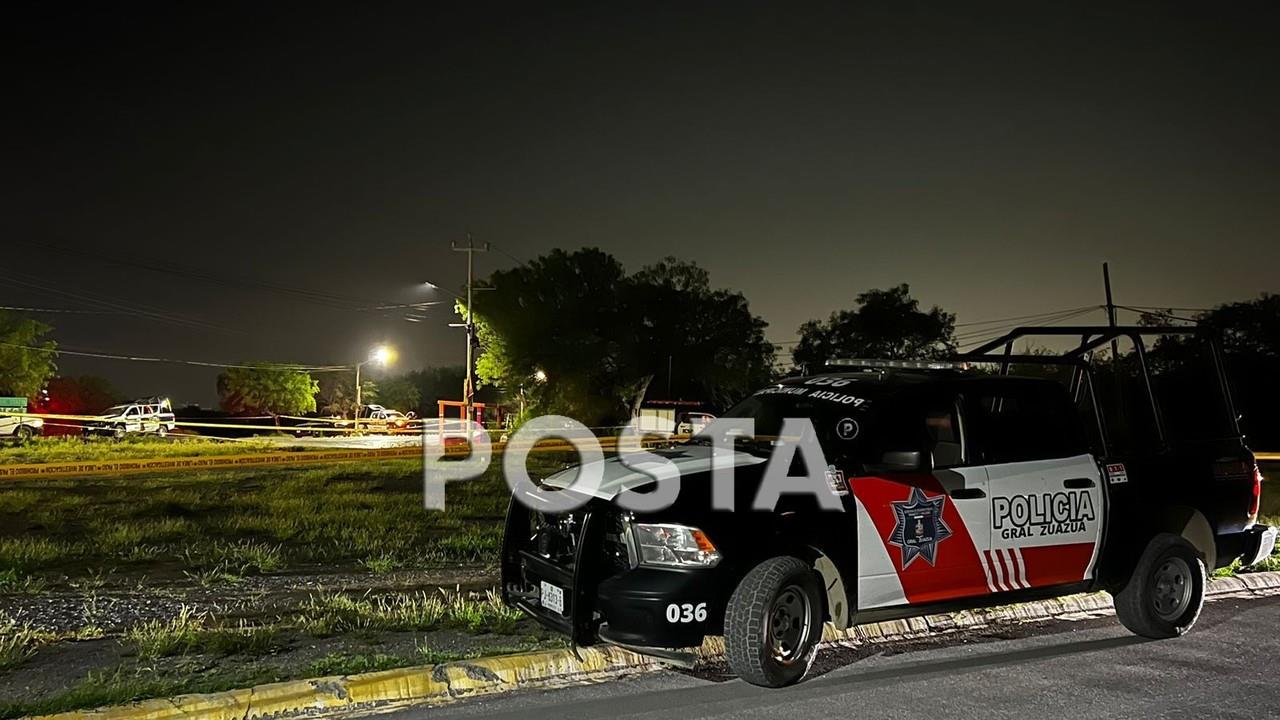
(773, 622)
(1164, 595)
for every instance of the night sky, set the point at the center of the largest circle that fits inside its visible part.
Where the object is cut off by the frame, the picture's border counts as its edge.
(236, 181)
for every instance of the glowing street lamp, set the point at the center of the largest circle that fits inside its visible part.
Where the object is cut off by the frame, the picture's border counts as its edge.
(382, 355)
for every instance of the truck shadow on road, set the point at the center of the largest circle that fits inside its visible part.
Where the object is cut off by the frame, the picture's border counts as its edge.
(732, 693)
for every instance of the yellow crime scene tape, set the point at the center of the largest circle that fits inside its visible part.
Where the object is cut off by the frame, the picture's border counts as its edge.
(199, 462)
(267, 459)
(193, 424)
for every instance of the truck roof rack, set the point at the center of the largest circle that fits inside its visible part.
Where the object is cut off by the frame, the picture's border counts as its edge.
(1092, 337)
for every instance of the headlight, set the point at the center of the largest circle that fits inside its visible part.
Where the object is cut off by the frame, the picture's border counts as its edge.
(673, 546)
(37, 422)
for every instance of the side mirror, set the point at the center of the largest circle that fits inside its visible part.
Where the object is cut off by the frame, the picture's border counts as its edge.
(902, 461)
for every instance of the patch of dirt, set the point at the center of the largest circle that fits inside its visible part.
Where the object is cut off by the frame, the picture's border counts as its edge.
(116, 606)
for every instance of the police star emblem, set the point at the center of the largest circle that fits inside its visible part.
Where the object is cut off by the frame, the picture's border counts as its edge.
(919, 527)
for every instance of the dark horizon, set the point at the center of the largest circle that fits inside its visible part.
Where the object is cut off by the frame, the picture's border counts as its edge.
(240, 179)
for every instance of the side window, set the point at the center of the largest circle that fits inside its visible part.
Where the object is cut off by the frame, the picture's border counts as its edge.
(931, 426)
(1018, 423)
(942, 425)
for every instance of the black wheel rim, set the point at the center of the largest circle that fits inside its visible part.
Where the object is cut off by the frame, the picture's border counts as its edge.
(789, 623)
(1171, 589)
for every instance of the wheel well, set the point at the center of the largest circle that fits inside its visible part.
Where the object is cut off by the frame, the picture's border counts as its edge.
(1197, 531)
(1183, 521)
(837, 609)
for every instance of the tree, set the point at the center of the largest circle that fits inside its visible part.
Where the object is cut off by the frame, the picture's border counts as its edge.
(336, 393)
(26, 357)
(885, 324)
(267, 388)
(1250, 336)
(572, 333)
(695, 341)
(400, 393)
(83, 395)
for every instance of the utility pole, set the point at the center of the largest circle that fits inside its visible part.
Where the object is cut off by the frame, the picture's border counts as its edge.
(469, 384)
(1111, 310)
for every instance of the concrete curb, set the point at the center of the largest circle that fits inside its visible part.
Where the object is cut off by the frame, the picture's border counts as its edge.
(434, 684)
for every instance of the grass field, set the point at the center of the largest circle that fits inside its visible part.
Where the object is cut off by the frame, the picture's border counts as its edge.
(242, 522)
(76, 449)
(114, 588)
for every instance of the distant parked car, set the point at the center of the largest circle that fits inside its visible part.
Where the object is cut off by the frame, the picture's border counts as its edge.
(379, 419)
(18, 426)
(149, 415)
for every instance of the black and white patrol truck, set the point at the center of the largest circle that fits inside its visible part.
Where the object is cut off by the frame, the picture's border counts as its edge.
(956, 489)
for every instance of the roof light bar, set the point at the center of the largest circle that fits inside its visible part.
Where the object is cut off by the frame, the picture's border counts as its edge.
(900, 364)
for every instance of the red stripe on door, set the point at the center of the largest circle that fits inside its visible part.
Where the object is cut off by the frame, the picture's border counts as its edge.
(1056, 564)
(957, 569)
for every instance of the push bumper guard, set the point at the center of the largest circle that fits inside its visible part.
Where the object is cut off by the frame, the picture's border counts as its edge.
(524, 570)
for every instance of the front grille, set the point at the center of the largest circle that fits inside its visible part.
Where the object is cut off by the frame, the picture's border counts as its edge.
(555, 537)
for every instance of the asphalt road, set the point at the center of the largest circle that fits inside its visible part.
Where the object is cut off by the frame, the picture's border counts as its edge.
(1225, 668)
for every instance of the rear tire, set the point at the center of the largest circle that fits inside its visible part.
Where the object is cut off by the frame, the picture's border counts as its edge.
(773, 622)
(1164, 595)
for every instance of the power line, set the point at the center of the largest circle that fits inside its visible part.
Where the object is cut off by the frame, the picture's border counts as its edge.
(328, 298)
(1157, 313)
(18, 308)
(979, 337)
(996, 331)
(508, 255)
(1026, 317)
(199, 363)
(135, 309)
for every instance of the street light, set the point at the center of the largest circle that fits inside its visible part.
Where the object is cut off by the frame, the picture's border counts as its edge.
(382, 355)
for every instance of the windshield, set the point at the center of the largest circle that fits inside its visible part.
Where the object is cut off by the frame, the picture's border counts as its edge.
(770, 407)
(840, 414)
(115, 409)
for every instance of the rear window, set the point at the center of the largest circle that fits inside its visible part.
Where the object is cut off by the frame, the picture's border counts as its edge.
(1021, 422)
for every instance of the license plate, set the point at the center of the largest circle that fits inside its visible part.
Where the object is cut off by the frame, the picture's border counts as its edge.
(552, 597)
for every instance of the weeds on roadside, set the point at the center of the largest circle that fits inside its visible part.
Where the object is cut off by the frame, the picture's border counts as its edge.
(30, 553)
(190, 632)
(19, 641)
(245, 557)
(12, 581)
(381, 564)
(340, 664)
(331, 613)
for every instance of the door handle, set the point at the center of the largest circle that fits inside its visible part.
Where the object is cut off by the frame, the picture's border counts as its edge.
(967, 493)
(1077, 483)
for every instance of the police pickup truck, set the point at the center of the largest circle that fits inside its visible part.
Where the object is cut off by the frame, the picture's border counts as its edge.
(955, 489)
(147, 415)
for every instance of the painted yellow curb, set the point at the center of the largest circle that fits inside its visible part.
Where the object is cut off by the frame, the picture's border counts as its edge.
(433, 684)
(426, 684)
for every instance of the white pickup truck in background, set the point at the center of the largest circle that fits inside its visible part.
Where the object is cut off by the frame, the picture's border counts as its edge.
(149, 415)
(14, 423)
